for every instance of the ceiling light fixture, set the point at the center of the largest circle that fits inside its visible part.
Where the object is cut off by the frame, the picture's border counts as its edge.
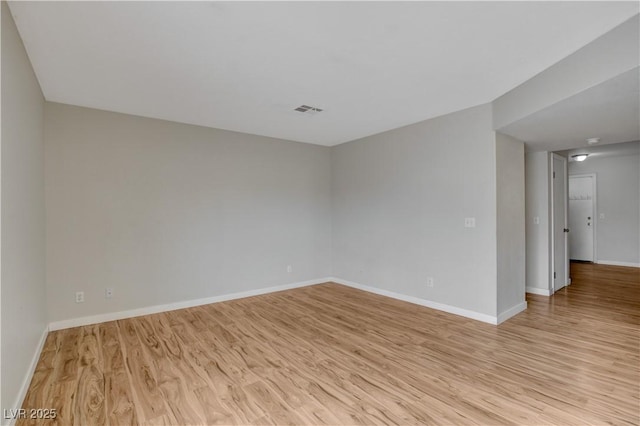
(579, 157)
(593, 141)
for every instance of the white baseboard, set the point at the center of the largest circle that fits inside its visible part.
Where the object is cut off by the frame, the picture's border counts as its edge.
(616, 263)
(515, 310)
(27, 377)
(113, 316)
(423, 302)
(540, 291)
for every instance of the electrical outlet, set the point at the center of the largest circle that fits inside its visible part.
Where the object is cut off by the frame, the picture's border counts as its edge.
(108, 293)
(79, 296)
(601, 216)
(469, 222)
(536, 220)
(289, 268)
(429, 281)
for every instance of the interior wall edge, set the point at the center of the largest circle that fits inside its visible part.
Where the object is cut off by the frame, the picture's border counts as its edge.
(538, 291)
(26, 382)
(617, 263)
(478, 316)
(148, 310)
(511, 312)
(23, 276)
(616, 52)
(113, 316)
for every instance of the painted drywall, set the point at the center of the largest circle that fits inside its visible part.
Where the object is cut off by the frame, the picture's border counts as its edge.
(510, 215)
(608, 56)
(399, 203)
(165, 212)
(618, 198)
(23, 218)
(537, 222)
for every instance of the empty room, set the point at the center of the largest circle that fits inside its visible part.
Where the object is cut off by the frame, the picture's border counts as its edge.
(320, 213)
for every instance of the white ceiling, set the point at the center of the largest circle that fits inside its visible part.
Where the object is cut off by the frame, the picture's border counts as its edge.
(371, 66)
(609, 111)
(610, 150)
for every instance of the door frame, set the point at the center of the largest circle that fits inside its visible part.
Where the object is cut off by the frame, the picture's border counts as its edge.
(594, 201)
(565, 172)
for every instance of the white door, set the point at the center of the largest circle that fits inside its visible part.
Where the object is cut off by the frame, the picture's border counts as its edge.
(559, 206)
(581, 217)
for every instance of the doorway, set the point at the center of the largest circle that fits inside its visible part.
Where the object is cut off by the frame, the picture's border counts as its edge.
(582, 211)
(559, 219)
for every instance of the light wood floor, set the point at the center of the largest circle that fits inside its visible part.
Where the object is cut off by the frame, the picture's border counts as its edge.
(329, 354)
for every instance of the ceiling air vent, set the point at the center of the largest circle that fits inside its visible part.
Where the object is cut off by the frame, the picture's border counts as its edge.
(306, 109)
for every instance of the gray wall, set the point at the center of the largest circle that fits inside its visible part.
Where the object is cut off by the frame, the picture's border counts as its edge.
(399, 203)
(618, 197)
(166, 212)
(23, 315)
(510, 222)
(538, 235)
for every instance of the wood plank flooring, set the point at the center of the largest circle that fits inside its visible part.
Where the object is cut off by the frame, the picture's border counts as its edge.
(329, 354)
